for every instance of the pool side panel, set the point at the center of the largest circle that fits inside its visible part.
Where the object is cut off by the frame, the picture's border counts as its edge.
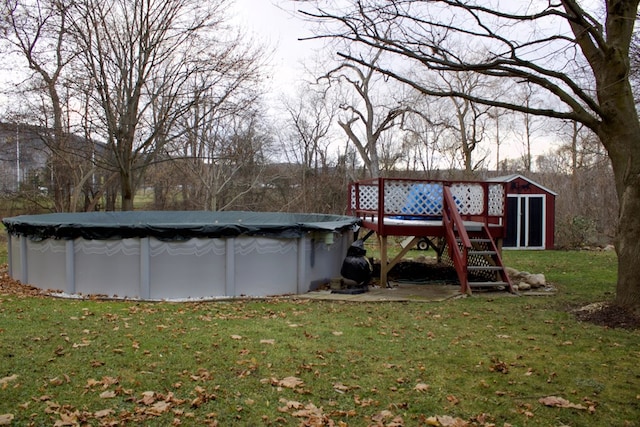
(108, 267)
(46, 263)
(194, 268)
(265, 266)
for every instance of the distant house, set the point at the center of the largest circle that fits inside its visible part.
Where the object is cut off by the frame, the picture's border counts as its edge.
(24, 155)
(530, 213)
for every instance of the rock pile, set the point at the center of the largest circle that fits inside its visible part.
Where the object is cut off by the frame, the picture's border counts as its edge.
(525, 281)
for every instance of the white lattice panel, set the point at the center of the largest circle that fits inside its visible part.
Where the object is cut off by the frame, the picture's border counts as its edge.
(352, 197)
(368, 197)
(410, 198)
(496, 200)
(469, 198)
(395, 196)
(425, 199)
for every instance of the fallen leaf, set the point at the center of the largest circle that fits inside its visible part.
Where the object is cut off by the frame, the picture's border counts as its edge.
(449, 421)
(7, 380)
(290, 382)
(382, 415)
(108, 381)
(421, 387)
(85, 343)
(148, 397)
(103, 413)
(560, 402)
(432, 421)
(271, 342)
(159, 407)
(5, 419)
(109, 394)
(67, 419)
(341, 388)
(236, 337)
(289, 404)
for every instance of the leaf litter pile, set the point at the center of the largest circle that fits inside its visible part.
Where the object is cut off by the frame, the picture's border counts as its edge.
(294, 362)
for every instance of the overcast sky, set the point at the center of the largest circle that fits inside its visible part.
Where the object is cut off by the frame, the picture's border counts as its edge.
(273, 23)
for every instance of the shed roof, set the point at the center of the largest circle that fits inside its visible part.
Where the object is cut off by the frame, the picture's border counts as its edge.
(509, 178)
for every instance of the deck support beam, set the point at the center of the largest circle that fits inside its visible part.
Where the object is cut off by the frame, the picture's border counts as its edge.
(382, 242)
(385, 265)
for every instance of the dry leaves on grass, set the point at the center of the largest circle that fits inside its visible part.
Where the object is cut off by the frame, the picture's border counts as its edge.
(287, 382)
(4, 382)
(421, 387)
(559, 402)
(6, 419)
(311, 415)
(446, 421)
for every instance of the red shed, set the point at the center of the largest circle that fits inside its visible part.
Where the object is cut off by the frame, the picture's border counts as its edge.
(530, 213)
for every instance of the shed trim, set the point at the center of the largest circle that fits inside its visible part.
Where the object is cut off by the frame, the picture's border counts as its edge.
(512, 177)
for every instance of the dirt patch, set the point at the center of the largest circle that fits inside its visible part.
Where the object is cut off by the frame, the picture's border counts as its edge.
(608, 315)
(419, 272)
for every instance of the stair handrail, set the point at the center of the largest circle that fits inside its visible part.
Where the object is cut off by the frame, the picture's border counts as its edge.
(452, 222)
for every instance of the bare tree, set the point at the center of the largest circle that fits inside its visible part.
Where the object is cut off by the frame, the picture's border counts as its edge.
(470, 118)
(531, 124)
(222, 104)
(38, 33)
(220, 161)
(310, 117)
(366, 119)
(578, 59)
(139, 57)
(580, 171)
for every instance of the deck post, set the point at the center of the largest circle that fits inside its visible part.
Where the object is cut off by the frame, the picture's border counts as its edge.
(383, 260)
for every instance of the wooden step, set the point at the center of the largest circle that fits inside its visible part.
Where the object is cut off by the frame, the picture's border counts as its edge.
(482, 252)
(479, 240)
(488, 284)
(484, 268)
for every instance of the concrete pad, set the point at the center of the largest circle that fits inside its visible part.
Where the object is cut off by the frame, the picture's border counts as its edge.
(399, 292)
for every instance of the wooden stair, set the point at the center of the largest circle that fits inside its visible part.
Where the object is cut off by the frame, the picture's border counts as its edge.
(473, 251)
(485, 269)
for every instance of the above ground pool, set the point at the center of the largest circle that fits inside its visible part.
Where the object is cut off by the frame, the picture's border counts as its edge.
(159, 255)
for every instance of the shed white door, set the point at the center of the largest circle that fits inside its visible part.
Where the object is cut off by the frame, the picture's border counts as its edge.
(525, 221)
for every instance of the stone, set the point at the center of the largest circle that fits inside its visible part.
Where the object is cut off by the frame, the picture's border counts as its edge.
(511, 272)
(536, 280)
(524, 286)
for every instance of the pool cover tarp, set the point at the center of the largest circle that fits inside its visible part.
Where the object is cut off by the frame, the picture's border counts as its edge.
(173, 225)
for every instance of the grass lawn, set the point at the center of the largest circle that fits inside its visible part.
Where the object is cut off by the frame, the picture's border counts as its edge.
(485, 360)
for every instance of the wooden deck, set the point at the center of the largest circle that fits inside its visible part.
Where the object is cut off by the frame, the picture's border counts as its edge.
(469, 217)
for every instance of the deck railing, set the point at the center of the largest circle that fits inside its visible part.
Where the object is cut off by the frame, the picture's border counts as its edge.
(423, 199)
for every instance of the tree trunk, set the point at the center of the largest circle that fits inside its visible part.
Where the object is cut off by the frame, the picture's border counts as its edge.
(628, 246)
(621, 137)
(127, 192)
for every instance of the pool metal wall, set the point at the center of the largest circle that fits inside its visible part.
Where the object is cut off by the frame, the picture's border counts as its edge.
(150, 269)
